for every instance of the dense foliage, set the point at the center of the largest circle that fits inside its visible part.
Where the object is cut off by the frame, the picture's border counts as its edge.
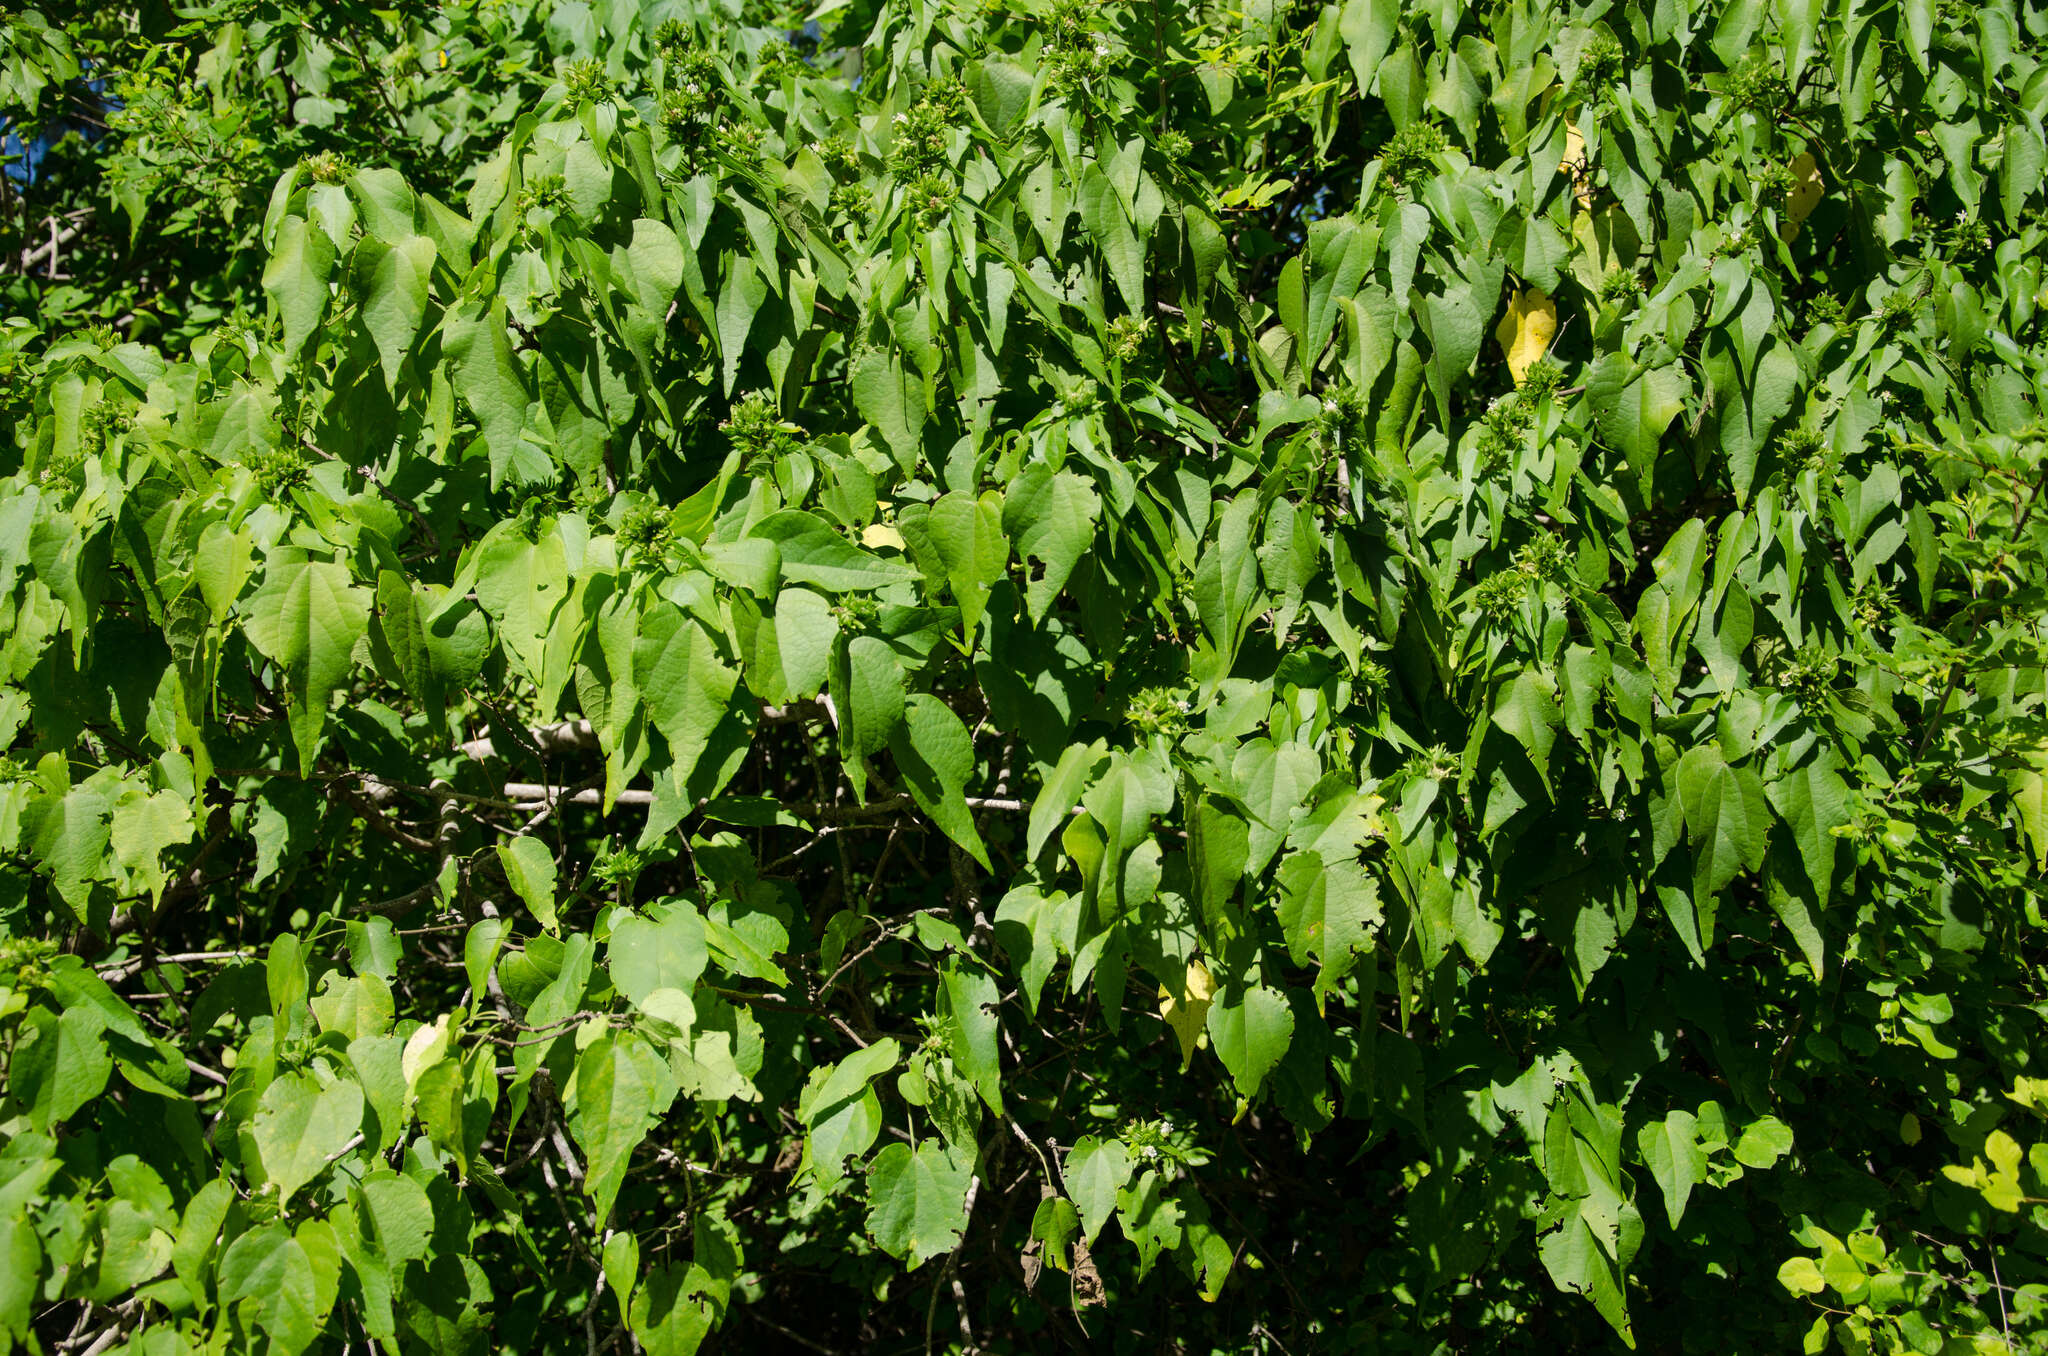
(942, 675)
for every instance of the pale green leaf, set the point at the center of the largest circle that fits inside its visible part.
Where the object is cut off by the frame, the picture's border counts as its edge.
(300, 1126)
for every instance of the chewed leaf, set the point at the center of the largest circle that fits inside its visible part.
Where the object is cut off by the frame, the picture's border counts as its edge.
(1526, 330)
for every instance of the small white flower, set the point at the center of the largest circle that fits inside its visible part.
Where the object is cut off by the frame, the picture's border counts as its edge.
(1329, 407)
(901, 117)
(1102, 49)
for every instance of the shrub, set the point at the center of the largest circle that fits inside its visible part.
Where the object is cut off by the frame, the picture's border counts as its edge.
(937, 676)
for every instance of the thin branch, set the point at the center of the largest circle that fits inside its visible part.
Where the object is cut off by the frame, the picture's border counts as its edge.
(753, 1312)
(114, 973)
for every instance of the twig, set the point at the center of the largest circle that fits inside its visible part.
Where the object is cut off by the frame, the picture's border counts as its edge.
(596, 1294)
(196, 1067)
(543, 795)
(391, 908)
(565, 737)
(113, 973)
(58, 239)
(952, 1276)
(754, 1313)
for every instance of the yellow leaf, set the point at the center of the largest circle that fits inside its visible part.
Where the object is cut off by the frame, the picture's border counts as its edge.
(1526, 330)
(1804, 197)
(1188, 1011)
(881, 534)
(1574, 163)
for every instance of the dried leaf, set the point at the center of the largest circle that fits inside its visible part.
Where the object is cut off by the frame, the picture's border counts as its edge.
(1088, 1288)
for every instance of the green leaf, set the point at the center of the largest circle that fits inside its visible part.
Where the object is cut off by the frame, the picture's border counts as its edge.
(738, 303)
(872, 702)
(665, 950)
(1580, 1263)
(2028, 787)
(1726, 817)
(1096, 1171)
(935, 755)
(1062, 790)
(530, 870)
(790, 658)
(684, 681)
(892, 400)
(968, 533)
(1671, 1150)
(1227, 579)
(1053, 1226)
(400, 1213)
(1328, 912)
(1152, 1220)
(1111, 229)
(1271, 783)
(267, 1277)
(675, 1307)
(296, 278)
(1801, 1276)
(1634, 406)
(1765, 1141)
(391, 281)
(1527, 709)
(63, 1068)
(917, 1200)
(1050, 515)
(300, 1126)
(815, 552)
(1368, 28)
(1250, 1029)
(658, 264)
(1813, 801)
(143, 827)
(489, 376)
(620, 1087)
(840, 1112)
(21, 1269)
(306, 618)
(971, 1005)
(69, 834)
(522, 583)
